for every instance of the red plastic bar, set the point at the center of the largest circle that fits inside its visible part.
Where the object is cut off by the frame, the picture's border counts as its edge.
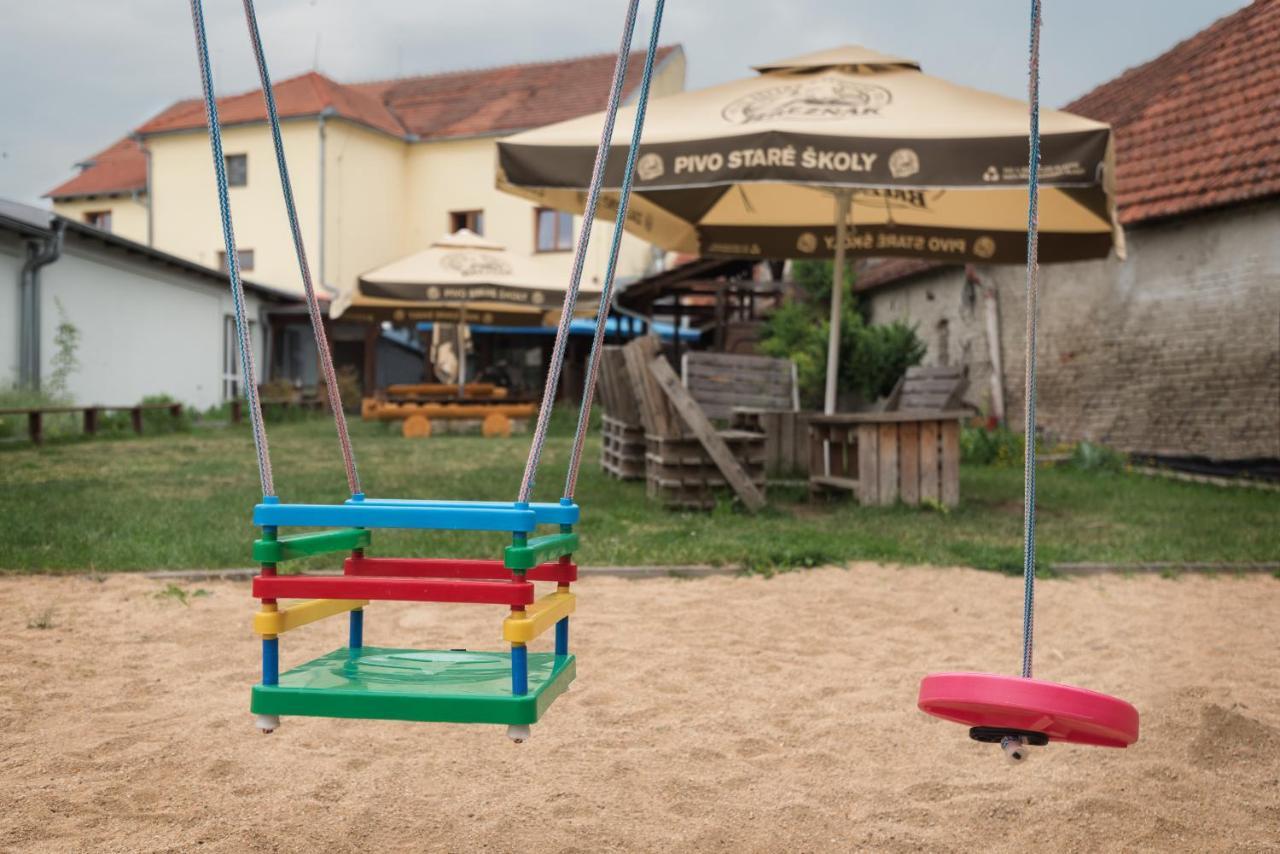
(401, 567)
(509, 592)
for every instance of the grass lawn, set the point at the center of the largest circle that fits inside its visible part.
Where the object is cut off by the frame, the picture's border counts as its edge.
(184, 501)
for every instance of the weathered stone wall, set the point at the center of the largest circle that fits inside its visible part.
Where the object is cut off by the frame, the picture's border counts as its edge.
(1174, 351)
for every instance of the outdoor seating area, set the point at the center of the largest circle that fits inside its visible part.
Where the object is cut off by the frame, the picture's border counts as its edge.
(553, 435)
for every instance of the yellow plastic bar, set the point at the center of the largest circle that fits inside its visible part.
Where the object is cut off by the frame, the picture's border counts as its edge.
(277, 622)
(538, 617)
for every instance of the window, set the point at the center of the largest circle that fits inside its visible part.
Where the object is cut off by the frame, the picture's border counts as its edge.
(470, 220)
(237, 169)
(99, 219)
(553, 231)
(231, 357)
(243, 256)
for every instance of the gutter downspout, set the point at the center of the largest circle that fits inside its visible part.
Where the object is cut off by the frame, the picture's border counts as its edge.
(38, 255)
(146, 153)
(324, 282)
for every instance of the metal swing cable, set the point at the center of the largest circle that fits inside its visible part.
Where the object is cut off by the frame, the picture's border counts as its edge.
(233, 262)
(602, 314)
(313, 304)
(1033, 270)
(579, 258)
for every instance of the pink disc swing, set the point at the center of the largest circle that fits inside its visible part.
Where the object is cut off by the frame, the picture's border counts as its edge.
(1019, 712)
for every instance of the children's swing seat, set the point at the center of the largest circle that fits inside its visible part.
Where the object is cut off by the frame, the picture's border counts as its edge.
(514, 687)
(1021, 712)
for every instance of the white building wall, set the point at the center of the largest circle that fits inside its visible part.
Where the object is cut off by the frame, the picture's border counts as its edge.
(145, 329)
(11, 259)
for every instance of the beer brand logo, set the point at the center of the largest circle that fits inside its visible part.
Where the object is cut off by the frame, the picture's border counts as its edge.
(650, 167)
(433, 292)
(807, 242)
(474, 264)
(992, 174)
(904, 163)
(824, 98)
(984, 247)
(537, 298)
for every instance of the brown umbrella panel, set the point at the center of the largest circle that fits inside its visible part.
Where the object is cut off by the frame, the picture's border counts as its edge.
(747, 169)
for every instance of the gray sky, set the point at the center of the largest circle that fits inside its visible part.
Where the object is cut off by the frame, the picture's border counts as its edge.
(79, 74)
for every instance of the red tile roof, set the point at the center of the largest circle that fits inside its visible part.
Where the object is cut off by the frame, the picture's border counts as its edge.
(1198, 126)
(122, 168)
(435, 106)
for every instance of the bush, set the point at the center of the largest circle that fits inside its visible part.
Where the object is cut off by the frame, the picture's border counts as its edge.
(872, 357)
(349, 391)
(999, 446)
(1087, 456)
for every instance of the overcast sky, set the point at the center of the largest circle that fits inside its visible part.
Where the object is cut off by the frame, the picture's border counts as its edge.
(79, 74)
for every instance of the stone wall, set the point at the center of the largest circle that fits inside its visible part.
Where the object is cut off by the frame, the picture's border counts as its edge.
(1173, 351)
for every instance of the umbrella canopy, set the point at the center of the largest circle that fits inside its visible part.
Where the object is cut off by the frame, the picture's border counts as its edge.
(460, 278)
(932, 169)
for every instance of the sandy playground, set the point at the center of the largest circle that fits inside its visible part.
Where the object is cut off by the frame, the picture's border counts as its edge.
(716, 714)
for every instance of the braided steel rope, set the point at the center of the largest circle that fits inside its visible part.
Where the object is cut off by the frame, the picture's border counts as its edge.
(602, 315)
(579, 259)
(1033, 271)
(313, 304)
(233, 262)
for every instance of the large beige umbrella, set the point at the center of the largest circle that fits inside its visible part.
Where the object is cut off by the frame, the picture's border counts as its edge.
(846, 150)
(462, 278)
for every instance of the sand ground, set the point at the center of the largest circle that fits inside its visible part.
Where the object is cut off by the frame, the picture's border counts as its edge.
(744, 714)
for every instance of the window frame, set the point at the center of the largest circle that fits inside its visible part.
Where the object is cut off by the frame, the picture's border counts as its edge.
(240, 259)
(231, 175)
(94, 219)
(469, 217)
(556, 233)
(231, 379)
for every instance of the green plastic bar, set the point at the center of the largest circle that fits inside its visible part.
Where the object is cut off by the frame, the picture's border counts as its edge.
(304, 545)
(539, 549)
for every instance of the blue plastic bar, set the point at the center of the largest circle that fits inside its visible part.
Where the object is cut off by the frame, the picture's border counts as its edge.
(562, 637)
(367, 514)
(270, 661)
(355, 639)
(544, 513)
(519, 669)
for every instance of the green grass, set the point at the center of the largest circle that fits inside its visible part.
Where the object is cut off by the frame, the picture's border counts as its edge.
(184, 501)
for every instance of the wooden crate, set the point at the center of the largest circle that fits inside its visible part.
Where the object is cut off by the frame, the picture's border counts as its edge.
(889, 456)
(680, 472)
(622, 449)
(786, 447)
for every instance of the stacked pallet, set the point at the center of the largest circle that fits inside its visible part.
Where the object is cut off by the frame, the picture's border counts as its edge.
(687, 461)
(622, 434)
(682, 475)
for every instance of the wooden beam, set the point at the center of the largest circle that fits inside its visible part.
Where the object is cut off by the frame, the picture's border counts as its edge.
(697, 422)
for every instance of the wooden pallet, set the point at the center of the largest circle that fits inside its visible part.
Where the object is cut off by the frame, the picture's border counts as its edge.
(885, 457)
(681, 473)
(622, 449)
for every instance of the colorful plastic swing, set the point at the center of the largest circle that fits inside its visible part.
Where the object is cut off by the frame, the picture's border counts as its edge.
(515, 687)
(1020, 712)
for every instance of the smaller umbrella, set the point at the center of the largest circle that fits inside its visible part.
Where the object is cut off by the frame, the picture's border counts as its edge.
(462, 278)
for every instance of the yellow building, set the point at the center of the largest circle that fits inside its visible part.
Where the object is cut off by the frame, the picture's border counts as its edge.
(380, 170)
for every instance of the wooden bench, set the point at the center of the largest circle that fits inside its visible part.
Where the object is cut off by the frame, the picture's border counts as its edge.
(35, 416)
(908, 452)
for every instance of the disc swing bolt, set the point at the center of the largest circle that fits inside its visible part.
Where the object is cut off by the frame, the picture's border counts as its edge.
(1015, 748)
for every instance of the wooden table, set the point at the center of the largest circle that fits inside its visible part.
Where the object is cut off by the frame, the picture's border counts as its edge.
(885, 457)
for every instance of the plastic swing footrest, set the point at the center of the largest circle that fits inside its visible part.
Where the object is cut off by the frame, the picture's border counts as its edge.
(450, 686)
(539, 549)
(1059, 712)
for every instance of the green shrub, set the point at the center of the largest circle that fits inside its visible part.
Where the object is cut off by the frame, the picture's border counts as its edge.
(1087, 456)
(872, 357)
(999, 447)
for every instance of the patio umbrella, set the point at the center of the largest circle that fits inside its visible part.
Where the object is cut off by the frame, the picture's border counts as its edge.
(462, 278)
(845, 150)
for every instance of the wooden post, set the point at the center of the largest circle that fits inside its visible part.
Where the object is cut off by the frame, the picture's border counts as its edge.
(888, 463)
(91, 421)
(929, 486)
(868, 464)
(951, 463)
(909, 462)
(135, 416)
(236, 412)
(35, 426)
(371, 334)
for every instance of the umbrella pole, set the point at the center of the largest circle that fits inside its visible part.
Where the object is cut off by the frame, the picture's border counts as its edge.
(462, 352)
(842, 200)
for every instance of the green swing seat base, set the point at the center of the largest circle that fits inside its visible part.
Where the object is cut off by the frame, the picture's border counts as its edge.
(449, 686)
